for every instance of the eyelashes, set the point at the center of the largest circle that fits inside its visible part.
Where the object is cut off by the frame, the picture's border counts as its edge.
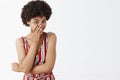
(37, 22)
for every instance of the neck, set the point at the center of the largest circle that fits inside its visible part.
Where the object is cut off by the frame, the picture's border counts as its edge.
(40, 36)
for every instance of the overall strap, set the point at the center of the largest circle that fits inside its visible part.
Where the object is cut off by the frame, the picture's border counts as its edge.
(25, 44)
(47, 38)
(23, 40)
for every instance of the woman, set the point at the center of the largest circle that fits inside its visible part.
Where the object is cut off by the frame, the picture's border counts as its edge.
(37, 50)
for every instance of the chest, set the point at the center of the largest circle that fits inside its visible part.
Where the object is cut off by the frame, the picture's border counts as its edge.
(41, 53)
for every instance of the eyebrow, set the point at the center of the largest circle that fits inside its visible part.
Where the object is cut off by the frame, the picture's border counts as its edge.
(38, 19)
(41, 20)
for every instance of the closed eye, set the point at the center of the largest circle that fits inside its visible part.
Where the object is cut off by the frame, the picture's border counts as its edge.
(36, 22)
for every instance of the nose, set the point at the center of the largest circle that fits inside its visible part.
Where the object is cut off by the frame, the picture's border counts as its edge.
(39, 24)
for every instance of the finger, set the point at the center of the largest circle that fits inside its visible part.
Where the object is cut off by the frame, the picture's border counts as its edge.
(41, 30)
(38, 30)
(35, 28)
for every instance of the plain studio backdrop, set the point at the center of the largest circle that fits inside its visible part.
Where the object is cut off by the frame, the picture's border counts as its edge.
(88, 38)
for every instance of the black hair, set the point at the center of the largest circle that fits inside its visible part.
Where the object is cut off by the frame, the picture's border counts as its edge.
(35, 8)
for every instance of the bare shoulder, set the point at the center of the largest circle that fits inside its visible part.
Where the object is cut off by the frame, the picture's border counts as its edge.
(52, 36)
(19, 42)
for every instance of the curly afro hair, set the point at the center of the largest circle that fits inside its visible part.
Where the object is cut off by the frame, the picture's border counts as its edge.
(35, 8)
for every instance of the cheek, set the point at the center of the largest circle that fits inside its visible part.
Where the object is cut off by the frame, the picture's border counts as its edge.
(32, 27)
(44, 26)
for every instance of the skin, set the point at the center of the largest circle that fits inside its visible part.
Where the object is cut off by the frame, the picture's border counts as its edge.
(35, 38)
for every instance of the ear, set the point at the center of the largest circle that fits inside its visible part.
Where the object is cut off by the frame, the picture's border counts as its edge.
(28, 22)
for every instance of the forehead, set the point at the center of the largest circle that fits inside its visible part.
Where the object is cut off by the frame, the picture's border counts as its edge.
(39, 18)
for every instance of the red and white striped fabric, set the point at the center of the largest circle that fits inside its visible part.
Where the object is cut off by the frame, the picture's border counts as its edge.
(39, 59)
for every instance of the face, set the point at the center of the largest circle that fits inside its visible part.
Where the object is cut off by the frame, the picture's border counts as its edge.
(37, 21)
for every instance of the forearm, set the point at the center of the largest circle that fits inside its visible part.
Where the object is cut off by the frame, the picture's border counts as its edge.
(43, 68)
(27, 63)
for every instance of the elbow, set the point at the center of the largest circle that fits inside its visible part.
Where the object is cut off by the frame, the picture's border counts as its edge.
(48, 70)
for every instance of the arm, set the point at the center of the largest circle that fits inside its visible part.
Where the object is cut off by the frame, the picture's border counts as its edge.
(25, 61)
(49, 62)
(47, 67)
